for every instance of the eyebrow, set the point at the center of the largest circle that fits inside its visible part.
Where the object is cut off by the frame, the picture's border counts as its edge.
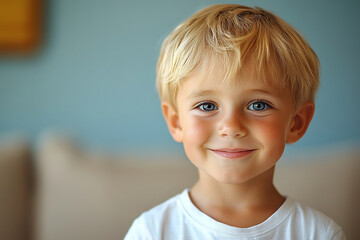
(273, 93)
(203, 93)
(198, 94)
(276, 93)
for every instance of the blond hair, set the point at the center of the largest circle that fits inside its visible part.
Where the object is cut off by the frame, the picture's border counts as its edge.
(235, 34)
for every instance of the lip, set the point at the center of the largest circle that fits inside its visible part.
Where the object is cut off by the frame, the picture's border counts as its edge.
(232, 153)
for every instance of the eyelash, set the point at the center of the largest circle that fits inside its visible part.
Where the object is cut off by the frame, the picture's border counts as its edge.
(198, 106)
(266, 107)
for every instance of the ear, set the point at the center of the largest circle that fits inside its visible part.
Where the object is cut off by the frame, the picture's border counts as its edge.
(172, 120)
(300, 122)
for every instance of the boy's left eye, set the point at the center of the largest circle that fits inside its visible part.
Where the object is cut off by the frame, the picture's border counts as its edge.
(259, 106)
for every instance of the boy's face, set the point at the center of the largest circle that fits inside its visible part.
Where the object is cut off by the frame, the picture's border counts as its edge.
(232, 132)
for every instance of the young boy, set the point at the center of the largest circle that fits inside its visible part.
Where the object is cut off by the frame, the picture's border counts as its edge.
(236, 84)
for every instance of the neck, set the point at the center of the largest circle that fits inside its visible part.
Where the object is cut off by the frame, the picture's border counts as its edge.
(256, 195)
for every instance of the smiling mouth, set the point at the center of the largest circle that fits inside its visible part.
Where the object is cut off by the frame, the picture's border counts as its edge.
(232, 153)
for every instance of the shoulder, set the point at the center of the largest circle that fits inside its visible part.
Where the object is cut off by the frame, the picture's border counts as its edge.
(152, 222)
(315, 223)
(163, 211)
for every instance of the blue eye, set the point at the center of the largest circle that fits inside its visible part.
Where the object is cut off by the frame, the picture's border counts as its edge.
(258, 106)
(207, 107)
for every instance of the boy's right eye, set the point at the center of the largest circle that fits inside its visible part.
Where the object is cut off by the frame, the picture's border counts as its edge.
(206, 106)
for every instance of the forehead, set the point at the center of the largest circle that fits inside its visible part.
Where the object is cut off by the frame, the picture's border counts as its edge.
(216, 76)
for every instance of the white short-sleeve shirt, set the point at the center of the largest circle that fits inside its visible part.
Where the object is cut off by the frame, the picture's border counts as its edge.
(179, 218)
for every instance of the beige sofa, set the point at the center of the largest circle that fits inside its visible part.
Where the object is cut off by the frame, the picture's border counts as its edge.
(60, 191)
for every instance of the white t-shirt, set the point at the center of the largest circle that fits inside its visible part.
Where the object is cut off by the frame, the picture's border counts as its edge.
(179, 218)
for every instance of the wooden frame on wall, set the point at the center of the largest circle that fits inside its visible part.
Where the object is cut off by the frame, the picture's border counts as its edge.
(20, 26)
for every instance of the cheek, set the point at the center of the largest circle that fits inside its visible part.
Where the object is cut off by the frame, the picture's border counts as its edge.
(197, 130)
(272, 134)
(273, 129)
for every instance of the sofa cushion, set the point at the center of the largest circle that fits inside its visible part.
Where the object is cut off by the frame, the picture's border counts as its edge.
(84, 195)
(15, 189)
(328, 181)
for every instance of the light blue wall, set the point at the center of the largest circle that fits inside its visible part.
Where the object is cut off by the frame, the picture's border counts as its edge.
(95, 74)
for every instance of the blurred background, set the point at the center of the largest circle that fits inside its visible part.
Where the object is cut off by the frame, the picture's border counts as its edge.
(85, 69)
(93, 72)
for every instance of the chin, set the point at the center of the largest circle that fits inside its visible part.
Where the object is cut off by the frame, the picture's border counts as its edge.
(232, 177)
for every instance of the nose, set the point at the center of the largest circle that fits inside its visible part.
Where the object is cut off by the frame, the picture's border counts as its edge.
(233, 125)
